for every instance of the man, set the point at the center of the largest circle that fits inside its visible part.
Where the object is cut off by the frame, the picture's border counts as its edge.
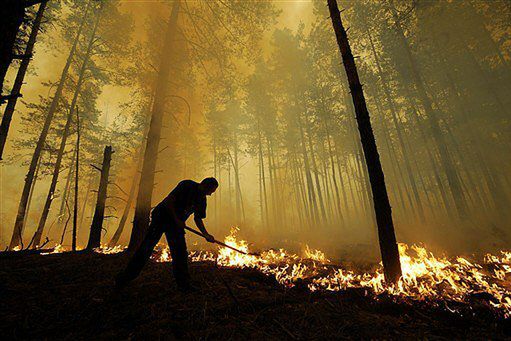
(169, 217)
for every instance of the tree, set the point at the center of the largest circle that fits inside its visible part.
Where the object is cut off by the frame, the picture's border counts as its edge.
(383, 211)
(99, 212)
(17, 235)
(20, 76)
(145, 188)
(12, 13)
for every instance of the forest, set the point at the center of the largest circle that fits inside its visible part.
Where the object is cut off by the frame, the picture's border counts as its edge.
(360, 152)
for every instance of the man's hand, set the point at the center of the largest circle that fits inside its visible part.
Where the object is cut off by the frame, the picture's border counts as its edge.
(209, 237)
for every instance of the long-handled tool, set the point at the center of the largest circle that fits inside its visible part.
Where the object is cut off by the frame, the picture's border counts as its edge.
(220, 243)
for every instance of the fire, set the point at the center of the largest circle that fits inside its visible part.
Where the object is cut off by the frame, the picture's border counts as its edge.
(315, 255)
(425, 276)
(110, 249)
(57, 249)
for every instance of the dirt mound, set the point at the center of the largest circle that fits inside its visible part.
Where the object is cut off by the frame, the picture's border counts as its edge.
(70, 296)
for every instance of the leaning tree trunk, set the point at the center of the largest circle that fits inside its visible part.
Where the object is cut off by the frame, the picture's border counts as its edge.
(145, 190)
(383, 211)
(20, 76)
(17, 233)
(58, 162)
(99, 212)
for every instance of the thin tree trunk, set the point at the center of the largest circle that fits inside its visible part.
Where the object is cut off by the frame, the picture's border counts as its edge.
(77, 176)
(117, 235)
(32, 190)
(383, 211)
(398, 128)
(72, 108)
(85, 200)
(66, 190)
(17, 234)
(394, 162)
(51, 191)
(263, 180)
(315, 170)
(145, 189)
(99, 213)
(20, 76)
(310, 185)
(434, 125)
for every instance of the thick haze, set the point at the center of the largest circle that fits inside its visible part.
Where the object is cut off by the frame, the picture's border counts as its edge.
(257, 98)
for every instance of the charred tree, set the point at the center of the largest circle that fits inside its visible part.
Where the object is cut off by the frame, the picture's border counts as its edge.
(145, 189)
(20, 76)
(17, 233)
(382, 208)
(99, 212)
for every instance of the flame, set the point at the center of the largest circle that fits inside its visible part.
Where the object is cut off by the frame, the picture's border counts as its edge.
(107, 250)
(316, 255)
(425, 276)
(58, 248)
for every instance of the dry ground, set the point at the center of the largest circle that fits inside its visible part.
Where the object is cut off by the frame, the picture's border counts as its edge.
(70, 296)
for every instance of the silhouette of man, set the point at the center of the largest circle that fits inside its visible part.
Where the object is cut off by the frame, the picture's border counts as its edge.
(169, 217)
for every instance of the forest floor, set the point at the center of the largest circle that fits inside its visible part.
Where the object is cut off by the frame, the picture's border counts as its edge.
(70, 296)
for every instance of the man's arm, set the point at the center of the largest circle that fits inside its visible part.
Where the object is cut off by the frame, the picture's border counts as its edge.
(200, 224)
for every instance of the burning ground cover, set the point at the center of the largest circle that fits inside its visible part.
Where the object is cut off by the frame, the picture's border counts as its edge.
(426, 277)
(279, 295)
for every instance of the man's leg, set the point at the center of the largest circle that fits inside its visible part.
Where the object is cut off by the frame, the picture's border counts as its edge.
(142, 254)
(177, 246)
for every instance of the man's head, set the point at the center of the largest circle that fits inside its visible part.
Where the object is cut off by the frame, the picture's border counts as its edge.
(208, 186)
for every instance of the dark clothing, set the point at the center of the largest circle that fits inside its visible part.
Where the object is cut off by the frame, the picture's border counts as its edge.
(187, 200)
(177, 244)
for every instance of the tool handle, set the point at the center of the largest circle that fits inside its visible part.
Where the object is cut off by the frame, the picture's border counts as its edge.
(216, 241)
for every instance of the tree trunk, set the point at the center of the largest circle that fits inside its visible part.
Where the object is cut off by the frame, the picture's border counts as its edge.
(145, 189)
(434, 125)
(77, 177)
(264, 195)
(17, 233)
(20, 76)
(315, 170)
(32, 191)
(398, 128)
(308, 177)
(99, 213)
(117, 235)
(85, 200)
(383, 211)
